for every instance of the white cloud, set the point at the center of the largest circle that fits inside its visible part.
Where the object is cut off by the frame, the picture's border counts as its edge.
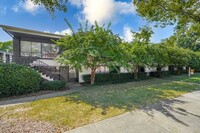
(125, 7)
(30, 7)
(47, 31)
(3, 10)
(99, 10)
(77, 3)
(103, 11)
(27, 6)
(63, 32)
(127, 34)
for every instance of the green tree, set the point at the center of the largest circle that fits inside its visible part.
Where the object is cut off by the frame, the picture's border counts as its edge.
(159, 57)
(185, 37)
(6, 46)
(195, 60)
(184, 13)
(136, 51)
(167, 12)
(91, 48)
(189, 38)
(171, 41)
(179, 57)
(52, 5)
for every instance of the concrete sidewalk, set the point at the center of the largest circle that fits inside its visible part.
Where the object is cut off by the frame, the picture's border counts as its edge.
(17, 101)
(179, 115)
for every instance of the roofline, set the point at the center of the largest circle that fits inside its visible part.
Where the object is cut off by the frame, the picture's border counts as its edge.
(30, 32)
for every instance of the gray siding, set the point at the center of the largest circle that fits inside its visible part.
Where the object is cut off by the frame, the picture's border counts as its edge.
(16, 48)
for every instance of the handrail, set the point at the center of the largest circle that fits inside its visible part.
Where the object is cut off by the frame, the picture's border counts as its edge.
(47, 69)
(24, 60)
(40, 65)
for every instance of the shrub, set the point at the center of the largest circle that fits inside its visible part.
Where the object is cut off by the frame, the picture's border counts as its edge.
(114, 77)
(52, 85)
(167, 73)
(17, 79)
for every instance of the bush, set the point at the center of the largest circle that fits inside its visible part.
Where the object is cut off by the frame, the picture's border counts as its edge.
(17, 79)
(166, 73)
(52, 85)
(114, 77)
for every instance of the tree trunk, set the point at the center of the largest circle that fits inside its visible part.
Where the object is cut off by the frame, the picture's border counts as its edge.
(159, 71)
(135, 68)
(178, 71)
(92, 76)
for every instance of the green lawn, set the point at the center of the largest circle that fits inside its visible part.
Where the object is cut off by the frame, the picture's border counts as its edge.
(96, 103)
(193, 79)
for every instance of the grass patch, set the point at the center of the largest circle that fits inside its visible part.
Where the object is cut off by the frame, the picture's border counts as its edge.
(96, 103)
(184, 78)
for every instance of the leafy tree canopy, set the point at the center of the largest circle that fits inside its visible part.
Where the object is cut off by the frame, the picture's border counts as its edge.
(136, 51)
(143, 36)
(195, 60)
(158, 55)
(186, 38)
(91, 48)
(178, 57)
(6, 46)
(168, 12)
(52, 5)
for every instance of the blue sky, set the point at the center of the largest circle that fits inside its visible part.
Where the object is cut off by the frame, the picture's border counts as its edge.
(121, 13)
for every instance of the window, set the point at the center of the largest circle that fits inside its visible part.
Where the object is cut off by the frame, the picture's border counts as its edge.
(41, 50)
(49, 50)
(25, 48)
(36, 49)
(30, 49)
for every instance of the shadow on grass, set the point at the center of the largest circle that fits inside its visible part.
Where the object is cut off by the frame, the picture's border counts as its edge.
(130, 97)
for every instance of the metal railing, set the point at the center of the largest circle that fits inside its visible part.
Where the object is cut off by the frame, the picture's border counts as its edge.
(39, 65)
(23, 60)
(44, 68)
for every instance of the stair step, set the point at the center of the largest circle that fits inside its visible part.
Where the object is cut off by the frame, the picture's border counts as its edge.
(46, 72)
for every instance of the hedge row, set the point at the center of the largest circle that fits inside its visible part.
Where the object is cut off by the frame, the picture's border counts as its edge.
(17, 79)
(166, 73)
(53, 85)
(114, 77)
(126, 77)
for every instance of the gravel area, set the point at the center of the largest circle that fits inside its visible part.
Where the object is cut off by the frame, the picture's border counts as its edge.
(27, 126)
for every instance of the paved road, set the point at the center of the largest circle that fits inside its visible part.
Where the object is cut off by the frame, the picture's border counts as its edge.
(179, 115)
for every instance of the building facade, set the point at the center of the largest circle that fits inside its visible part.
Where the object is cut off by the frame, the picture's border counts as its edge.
(37, 49)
